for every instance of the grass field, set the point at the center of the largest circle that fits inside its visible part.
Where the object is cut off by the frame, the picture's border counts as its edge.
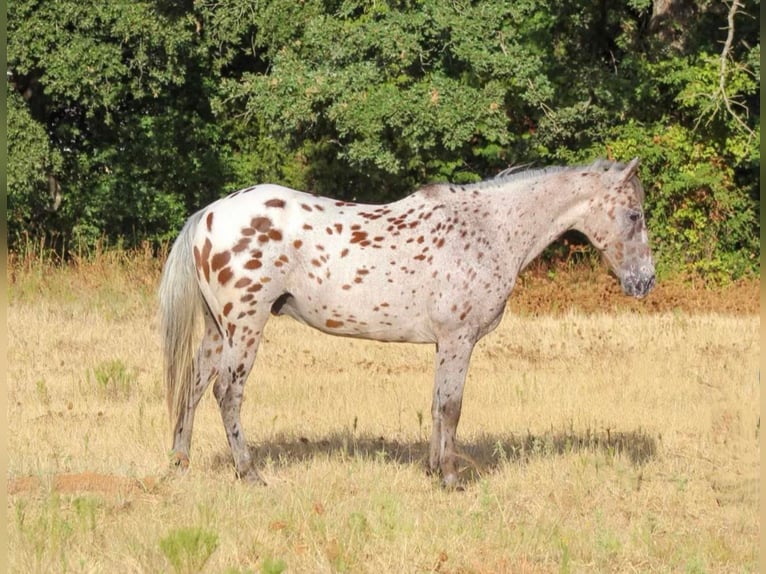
(626, 442)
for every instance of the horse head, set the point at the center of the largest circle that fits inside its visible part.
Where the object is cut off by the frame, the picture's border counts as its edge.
(616, 226)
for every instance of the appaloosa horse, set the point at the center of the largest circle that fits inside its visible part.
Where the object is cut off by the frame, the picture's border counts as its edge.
(435, 267)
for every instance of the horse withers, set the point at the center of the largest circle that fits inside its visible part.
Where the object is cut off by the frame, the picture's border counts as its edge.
(435, 267)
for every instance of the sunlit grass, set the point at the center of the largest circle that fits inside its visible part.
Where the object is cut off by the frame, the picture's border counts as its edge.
(607, 442)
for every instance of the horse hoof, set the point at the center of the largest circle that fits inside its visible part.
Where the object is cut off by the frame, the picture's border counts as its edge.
(450, 482)
(252, 476)
(180, 461)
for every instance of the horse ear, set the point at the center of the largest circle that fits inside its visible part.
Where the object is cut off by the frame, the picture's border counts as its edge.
(630, 171)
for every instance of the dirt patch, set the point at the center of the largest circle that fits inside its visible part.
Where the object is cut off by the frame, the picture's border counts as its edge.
(108, 484)
(542, 291)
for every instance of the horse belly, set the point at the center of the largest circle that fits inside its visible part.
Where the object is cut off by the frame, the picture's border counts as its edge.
(358, 317)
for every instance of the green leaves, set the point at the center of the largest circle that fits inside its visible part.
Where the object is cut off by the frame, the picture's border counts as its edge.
(400, 93)
(128, 116)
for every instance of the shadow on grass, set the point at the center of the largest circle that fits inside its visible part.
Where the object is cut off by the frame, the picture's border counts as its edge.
(479, 457)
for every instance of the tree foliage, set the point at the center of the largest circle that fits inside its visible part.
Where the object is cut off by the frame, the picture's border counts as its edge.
(124, 117)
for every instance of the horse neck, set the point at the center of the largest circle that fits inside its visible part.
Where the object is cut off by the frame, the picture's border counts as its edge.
(527, 215)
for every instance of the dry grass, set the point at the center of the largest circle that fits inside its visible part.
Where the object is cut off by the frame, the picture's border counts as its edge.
(611, 443)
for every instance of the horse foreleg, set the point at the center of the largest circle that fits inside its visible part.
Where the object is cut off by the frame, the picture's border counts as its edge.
(452, 358)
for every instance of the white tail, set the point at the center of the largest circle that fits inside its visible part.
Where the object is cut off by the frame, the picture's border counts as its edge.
(180, 302)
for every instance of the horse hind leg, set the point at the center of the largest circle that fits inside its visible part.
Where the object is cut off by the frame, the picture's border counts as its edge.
(205, 370)
(237, 361)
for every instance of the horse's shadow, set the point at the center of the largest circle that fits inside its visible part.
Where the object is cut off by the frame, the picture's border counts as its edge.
(479, 457)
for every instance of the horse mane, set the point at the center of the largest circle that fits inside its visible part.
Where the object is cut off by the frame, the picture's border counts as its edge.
(520, 173)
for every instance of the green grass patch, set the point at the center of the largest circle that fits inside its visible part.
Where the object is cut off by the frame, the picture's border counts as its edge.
(188, 549)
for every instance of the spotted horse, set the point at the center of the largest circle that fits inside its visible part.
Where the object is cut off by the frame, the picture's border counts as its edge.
(435, 267)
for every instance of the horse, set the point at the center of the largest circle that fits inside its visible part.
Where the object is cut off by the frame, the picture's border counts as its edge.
(437, 266)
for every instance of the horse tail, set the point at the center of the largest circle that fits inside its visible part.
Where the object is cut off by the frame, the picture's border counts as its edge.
(180, 301)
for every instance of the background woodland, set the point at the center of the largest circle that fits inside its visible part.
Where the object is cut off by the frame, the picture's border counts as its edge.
(124, 117)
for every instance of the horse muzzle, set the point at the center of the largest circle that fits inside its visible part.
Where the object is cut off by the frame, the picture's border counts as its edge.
(638, 283)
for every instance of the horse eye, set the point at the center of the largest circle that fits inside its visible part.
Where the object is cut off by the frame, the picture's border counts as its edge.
(634, 216)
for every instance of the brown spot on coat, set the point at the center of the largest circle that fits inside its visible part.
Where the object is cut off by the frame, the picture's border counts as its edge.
(209, 221)
(262, 224)
(204, 256)
(197, 261)
(297, 243)
(332, 324)
(276, 202)
(219, 260)
(241, 245)
(225, 275)
(358, 236)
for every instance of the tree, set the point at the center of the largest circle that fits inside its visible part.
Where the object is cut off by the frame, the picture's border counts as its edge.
(130, 115)
(119, 91)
